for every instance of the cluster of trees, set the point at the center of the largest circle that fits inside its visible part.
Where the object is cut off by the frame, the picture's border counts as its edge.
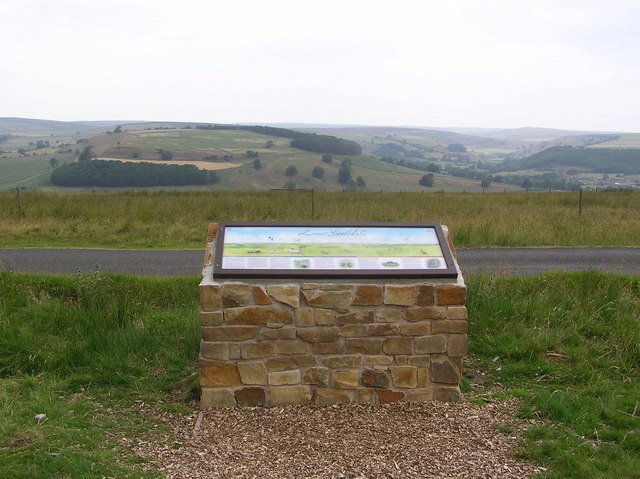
(416, 165)
(6, 136)
(118, 173)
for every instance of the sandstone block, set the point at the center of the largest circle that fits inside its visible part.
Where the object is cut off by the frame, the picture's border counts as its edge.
(236, 294)
(211, 350)
(415, 329)
(291, 346)
(353, 331)
(327, 286)
(457, 345)
(401, 295)
(211, 319)
(213, 397)
(364, 396)
(398, 346)
(426, 295)
(424, 361)
(235, 351)
(431, 344)
(258, 315)
(380, 360)
(375, 378)
(283, 395)
(257, 350)
(451, 295)
(342, 362)
(317, 376)
(325, 397)
(338, 300)
(287, 333)
(252, 397)
(457, 312)
(423, 377)
(261, 297)
(368, 295)
(218, 373)
(210, 298)
(360, 317)
(344, 379)
(387, 315)
(419, 395)
(388, 329)
(319, 334)
(404, 376)
(324, 317)
(385, 396)
(457, 326)
(281, 378)
(447, 394)
(290, 362)
(363, 345)
(252, 372)
(335, 347)
(229, 333)
(420, 313)
(268, 333)
(285, 293)
(401, 359)
(444, 372)
(304, 317)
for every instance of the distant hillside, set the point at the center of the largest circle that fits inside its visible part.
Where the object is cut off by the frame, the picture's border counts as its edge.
(31, 126)
(598, 160)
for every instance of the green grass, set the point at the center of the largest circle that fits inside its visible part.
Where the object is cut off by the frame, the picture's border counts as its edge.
(179, 220)
(87, 350)
(207, 140)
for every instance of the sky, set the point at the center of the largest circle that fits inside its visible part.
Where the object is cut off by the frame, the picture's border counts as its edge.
(465, 63)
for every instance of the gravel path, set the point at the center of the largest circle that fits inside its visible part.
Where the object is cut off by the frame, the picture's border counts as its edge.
(400, 440)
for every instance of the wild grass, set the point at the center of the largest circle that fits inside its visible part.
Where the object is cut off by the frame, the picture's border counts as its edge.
(179, 220)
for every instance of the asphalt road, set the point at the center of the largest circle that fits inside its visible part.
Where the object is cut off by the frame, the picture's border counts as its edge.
(488, 261)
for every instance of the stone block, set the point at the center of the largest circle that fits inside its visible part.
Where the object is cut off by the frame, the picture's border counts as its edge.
(447, 394)
(368, 295)
(335, 347)
(456, 326)
(364, 396)
(401, 295)
(380, 360)
(258, 315)
(218, 373)
(236, 294)
(431, 344)
(211, 319)
(252, 372)
(401, 359)
(229, 333)
(363, 345)
(251, 396)
(404, 376)
(211, 350)
(268, 333)
(210, 298)
(284, 395)
(257, 350)
(291, 346)
(324, 317)
(423, 377)
(415, 329)
(261, 297)
(338, 300)
(385, 396)
(419, 360)
(290, 362)
(344, 379)
(419, 395)
(388, 315)
(281, 378)
(285, 293)
(235, 350)
(375, 378)
(388, 329)
(318, 334)
(287, 333)
(326, 397)
(457, 312)
(214, 397)
(327, 287)
(360, 317)
(426, 295)
(342, 362)
(451, 295)
(444, 372)
(353, 331)
(421, 313)
(398, 346)
(317, 376)
(304, 317)
(457, 345)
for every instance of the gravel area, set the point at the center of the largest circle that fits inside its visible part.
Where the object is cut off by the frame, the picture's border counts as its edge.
(398, 440)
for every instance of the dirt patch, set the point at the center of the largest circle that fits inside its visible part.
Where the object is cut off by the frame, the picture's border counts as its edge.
(203, 165)
(344, 441)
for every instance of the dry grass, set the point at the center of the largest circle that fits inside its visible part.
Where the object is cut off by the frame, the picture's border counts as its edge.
(203, 165)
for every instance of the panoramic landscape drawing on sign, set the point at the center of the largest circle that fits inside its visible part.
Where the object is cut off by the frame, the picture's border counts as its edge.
(332, 248)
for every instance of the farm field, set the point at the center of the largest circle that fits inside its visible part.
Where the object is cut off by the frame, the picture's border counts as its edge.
(179, 220)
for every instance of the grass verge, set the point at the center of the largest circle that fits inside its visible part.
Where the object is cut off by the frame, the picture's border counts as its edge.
(85, 350)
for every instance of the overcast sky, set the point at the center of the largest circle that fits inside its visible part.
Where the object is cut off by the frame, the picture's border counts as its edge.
(489, 63)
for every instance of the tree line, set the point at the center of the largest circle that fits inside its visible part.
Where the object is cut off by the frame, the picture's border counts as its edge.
(118, 173)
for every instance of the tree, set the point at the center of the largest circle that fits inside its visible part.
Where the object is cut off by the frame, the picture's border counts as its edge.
(269, 144)
(252, 154)
(427, 180)
(344, 173)
(360, 182)
(118, 129)
(485, 182)
(54, 162)
(327, 158)
(433, 168)
(290, 185)
(86, 155)
(457, 148)
(165, 155)
(291, 171)
(526, 184)
(318, 172)
(257, 164)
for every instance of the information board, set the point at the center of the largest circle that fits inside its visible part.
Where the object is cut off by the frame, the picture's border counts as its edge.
(336, 250)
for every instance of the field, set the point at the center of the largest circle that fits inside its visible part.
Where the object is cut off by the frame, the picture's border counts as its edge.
(202, 165)
(95, 354)
(179, 220)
